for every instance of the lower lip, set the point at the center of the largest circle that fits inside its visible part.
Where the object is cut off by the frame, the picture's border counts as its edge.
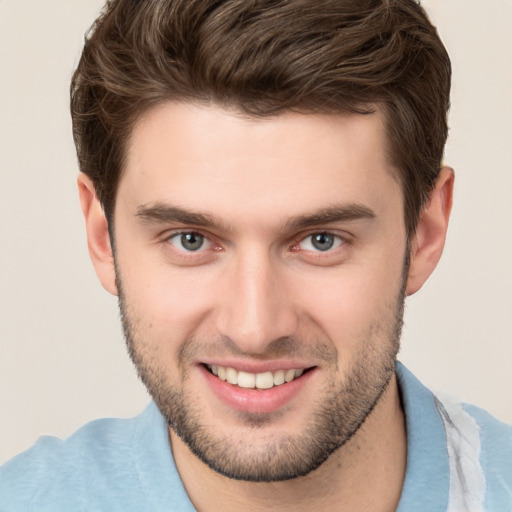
(260, 401)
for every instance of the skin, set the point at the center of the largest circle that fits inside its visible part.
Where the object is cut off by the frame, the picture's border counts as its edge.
(258, 293)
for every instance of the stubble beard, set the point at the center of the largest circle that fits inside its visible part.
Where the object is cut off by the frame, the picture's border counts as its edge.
(339, 412)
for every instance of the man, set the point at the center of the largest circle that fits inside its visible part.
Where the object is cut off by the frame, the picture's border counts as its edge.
(262, 186)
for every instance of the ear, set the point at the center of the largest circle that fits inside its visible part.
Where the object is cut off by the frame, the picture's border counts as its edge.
(98, 238)
(428, 242)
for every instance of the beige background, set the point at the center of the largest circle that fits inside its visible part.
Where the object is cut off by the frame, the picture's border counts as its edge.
(62, 357)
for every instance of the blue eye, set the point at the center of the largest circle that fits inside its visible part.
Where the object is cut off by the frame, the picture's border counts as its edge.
(322, 242)
(189, 241)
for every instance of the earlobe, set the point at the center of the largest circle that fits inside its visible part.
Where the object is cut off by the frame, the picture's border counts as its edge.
(98, 238)
(428, 242)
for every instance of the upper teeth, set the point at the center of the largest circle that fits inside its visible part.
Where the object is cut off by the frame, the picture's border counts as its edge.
(265, 380)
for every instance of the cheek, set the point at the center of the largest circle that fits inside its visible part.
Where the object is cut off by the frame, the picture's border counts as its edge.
(166, 304)
(350, 301)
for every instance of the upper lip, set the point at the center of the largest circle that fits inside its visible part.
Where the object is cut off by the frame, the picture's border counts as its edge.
(258, 366)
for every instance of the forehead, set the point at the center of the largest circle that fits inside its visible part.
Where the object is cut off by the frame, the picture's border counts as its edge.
(213, 159)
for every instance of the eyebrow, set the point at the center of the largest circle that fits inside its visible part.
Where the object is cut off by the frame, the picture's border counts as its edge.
(339, 213)
(168, 214)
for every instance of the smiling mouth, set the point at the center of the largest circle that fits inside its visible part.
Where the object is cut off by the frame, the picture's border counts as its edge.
(247, 380)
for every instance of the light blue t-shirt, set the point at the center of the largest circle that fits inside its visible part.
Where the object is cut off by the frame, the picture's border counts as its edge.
(459, 459)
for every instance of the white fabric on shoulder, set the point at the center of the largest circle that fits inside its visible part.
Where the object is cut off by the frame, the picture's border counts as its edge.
(467, 480)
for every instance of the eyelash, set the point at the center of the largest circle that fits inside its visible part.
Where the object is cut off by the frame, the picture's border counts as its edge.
(203, 253)
(190, 233)
(338, 241)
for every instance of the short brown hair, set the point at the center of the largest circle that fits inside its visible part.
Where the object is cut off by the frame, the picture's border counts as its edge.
(265, 57)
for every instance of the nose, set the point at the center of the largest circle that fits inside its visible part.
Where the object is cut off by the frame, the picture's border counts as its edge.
(255, 308)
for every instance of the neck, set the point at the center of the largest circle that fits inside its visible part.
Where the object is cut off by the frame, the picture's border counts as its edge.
(367, 473)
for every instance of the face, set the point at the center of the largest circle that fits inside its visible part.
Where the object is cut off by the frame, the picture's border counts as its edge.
(260, 270)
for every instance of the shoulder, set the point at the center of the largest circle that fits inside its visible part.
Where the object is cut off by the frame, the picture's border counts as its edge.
(495, 457)
(492, 437)
(468, 451)
(490, 425)
(480, 452)
(58, 471)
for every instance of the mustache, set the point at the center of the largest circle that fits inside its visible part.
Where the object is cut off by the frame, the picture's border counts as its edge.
(317, 351)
